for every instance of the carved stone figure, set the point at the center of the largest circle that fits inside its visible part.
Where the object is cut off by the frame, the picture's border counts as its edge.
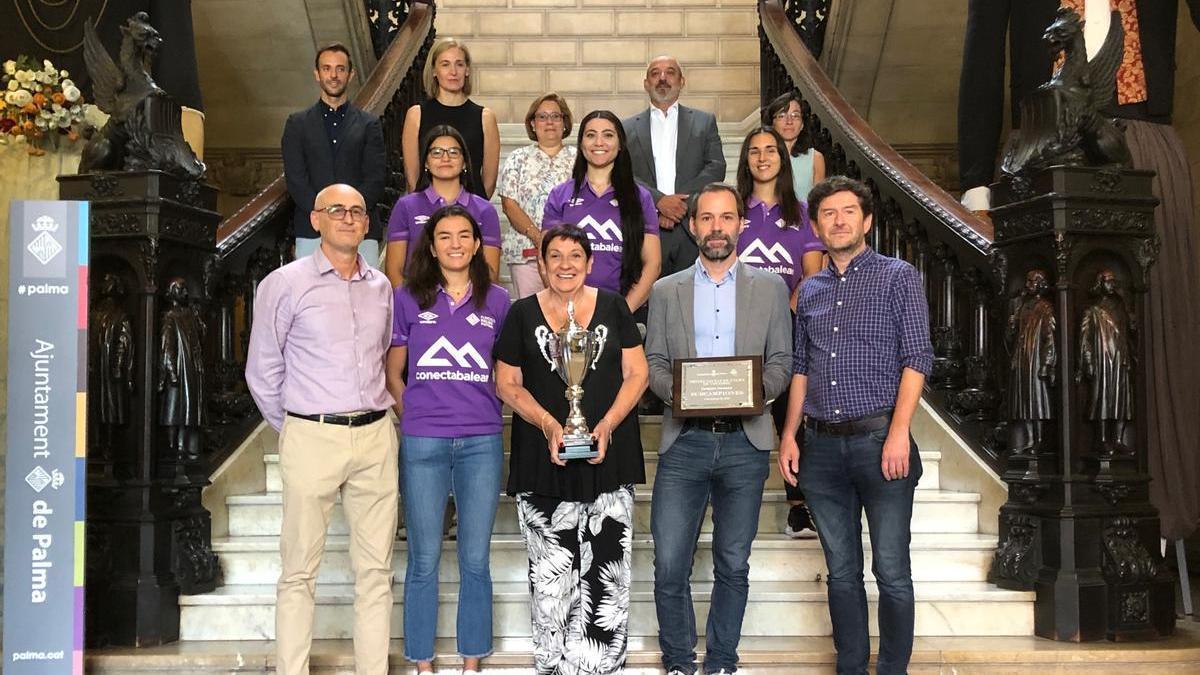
(112, 352)
(181, 373)
(1106, 362)
(1061, 121)
(143, 129)
(1034, 359)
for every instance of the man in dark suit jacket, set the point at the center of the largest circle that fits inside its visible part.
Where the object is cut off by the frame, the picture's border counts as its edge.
(333, 142)
(675, 150)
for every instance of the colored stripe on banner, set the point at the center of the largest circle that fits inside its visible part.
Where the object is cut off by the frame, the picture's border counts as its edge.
(81, 423)
(81, 489)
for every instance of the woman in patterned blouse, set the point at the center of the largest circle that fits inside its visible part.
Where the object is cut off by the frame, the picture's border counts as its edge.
(528, 175)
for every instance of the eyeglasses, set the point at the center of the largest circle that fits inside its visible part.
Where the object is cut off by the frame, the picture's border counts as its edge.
(793, 116)
(452, 153)
(548, 117)
(339, 212)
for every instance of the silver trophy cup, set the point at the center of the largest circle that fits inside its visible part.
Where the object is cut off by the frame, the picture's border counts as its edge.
(573, 349)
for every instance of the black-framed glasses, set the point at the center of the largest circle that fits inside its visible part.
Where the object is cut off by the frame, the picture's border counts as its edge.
(340, 212)
(452, 153)
(548, 117)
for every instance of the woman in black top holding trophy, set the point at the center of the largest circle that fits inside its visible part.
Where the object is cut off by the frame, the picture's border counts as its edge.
(574, 514)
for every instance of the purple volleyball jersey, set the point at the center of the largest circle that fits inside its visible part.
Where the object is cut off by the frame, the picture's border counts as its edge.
(450, 391)
(599, 216)
(768, 244)
(412, 211)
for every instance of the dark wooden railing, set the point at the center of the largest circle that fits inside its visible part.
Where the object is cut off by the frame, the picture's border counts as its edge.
(915, 220)
(1009, 310)
(258, 237)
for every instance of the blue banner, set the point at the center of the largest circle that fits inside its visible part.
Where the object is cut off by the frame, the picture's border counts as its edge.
(46, 460)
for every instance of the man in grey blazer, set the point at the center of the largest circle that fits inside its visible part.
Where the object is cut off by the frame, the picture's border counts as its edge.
(676, 150)
(716, 307)
(333, 142)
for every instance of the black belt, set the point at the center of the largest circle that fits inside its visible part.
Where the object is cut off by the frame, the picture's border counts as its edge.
(862, 425)
(344, 420)
(717, 425)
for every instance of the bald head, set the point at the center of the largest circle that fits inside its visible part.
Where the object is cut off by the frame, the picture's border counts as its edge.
(664, 81)
(339, 193)
(344, 228)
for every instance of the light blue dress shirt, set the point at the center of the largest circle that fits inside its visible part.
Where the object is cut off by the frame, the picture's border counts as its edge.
(715, 312)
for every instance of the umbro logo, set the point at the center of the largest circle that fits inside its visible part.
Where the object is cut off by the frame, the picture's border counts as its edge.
(758, 253)
(440, 354)
(608, 230)
(427, 318)
(575, 201)
(420, 220)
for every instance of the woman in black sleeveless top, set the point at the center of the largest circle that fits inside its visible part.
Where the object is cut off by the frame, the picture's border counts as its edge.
(447, 80)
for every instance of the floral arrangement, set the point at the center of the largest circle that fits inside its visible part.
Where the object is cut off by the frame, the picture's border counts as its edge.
(40, 101)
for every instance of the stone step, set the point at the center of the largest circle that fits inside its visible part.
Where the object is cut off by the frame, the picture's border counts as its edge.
(930, 463)
(940, 557)
(933, 511)
(756, 656)
(775, 608)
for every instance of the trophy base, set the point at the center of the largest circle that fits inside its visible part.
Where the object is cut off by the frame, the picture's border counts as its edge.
(582, 446)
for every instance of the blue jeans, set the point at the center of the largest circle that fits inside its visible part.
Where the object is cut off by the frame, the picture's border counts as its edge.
(841, 476)
(431, 468)
(699, 467)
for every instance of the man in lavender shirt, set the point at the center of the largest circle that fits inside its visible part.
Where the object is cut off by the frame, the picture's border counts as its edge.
(322, 327)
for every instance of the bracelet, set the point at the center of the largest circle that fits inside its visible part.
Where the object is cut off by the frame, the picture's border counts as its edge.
(542, 423)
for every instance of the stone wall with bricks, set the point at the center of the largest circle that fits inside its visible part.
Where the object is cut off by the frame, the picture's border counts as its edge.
(594, 52)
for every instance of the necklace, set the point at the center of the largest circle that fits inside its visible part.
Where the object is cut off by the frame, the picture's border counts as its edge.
(34, 33)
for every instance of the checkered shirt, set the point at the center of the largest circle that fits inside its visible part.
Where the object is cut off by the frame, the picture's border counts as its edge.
(856, 332)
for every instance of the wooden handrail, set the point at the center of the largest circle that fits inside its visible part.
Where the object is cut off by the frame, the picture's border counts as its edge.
(817, 88)
(916, 220)
(373, 97)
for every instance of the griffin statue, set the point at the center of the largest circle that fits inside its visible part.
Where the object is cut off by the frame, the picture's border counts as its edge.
(1062, 122)
(143, 131)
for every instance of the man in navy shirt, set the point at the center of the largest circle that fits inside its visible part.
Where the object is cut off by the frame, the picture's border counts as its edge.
(861, 354)
(333, 142)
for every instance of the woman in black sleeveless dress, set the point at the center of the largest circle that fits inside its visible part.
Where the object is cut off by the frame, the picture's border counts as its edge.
(447, 80)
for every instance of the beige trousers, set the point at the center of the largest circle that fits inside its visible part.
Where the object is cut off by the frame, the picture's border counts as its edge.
(316, 462)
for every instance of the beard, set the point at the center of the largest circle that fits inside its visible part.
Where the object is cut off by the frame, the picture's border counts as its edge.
(717, 254)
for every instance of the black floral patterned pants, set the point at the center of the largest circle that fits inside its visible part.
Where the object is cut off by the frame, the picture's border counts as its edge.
(580, 554)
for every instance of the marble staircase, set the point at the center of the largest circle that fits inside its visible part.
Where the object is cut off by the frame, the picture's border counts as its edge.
(951, 553)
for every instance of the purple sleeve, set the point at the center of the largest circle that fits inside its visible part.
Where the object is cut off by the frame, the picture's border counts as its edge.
(649, 211)
(397, 227)
(499, 302)
(809, 239)
(489, 222)
(400, 311)
(552, 213)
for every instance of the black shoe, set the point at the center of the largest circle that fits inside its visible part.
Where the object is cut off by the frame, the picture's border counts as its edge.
(800, 523)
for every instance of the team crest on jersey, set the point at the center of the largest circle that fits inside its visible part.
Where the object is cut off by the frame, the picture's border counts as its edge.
(476, 319)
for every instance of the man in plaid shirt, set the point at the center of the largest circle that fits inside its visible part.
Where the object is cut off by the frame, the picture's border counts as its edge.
(861, 355)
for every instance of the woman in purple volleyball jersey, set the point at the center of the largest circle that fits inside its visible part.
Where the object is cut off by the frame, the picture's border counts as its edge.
(445, 179)
(446, 321)
(776, 235)
(618, 215)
